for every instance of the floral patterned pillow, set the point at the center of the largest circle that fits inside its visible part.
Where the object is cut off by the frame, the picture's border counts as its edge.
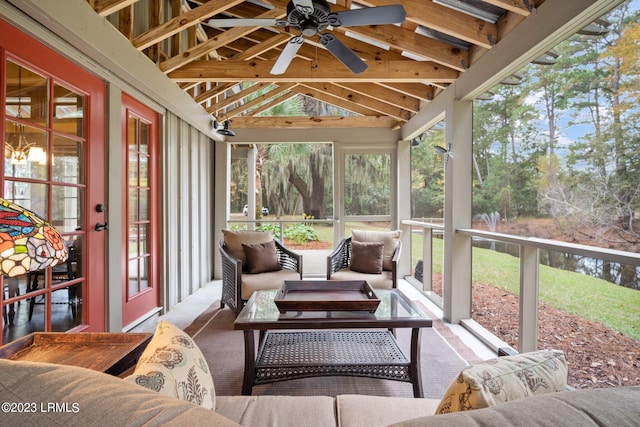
(505, 378)
(173, 365)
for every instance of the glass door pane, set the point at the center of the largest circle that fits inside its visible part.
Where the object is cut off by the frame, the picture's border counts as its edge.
(138, 205)
(44, 125)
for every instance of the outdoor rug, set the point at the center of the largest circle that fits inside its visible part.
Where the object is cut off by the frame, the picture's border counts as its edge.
(223, 348)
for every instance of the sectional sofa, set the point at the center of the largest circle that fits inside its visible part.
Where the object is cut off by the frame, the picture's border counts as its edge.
(172, 385)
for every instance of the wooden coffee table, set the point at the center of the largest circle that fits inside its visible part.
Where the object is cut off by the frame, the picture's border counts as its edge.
(324, 343)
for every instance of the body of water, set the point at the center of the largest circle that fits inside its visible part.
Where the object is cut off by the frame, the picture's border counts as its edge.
(620, 274)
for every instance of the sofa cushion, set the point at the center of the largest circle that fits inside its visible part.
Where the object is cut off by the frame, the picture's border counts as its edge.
(356, 410)
(88, 398)
(173, 365)
(235, 239)
(378, 281)
(389, 238)
(264, 281)
(617, 406)
(280, 411)
(366, 257)
(261, 257)
(505, 378)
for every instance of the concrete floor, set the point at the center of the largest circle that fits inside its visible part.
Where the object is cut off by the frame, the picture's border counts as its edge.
(183, 314)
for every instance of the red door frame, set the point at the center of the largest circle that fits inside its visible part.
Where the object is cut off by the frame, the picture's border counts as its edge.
(136, 306)
(16, 44)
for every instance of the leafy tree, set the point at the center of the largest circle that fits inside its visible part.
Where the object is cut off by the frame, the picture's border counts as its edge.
(427, 176)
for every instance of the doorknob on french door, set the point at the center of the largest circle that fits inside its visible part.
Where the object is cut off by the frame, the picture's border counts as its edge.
(101, 226)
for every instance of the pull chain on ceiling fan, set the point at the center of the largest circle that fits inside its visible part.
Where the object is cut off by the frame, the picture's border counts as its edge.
(310, 17)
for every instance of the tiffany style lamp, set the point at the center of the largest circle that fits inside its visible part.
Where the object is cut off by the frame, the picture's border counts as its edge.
(27, 242)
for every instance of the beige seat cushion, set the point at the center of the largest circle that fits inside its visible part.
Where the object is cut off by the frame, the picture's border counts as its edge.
(263, 281)
(280, 411)
(90, 398)
(379, 281)
(235, 239)
(389, 238)
(355, 410)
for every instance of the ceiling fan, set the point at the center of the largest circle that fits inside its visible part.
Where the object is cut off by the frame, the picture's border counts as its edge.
(310, 17)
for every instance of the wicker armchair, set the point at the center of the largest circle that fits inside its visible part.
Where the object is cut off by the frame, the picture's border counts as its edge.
(238, 285)
(339, 260)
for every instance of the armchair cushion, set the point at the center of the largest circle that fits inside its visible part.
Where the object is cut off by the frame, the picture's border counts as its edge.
(366, 257)
(261, 257)
(235, 239)
(390, 240)
(506, 378)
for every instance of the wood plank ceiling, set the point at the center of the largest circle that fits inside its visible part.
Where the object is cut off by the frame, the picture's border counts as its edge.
(227, 70)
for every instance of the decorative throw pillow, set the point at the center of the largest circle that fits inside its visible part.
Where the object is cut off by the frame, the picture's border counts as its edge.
(366, 257)
(173, 365)
(505, 378)
(261, 257)
(235, 239)
(389, 238)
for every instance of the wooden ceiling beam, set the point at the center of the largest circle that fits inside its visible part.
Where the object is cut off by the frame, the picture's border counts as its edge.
(515, 6)
(254, 102)
(370, 102)
(362, 110)
(383, 94)
(214, 91)
(107, 7)
(237, 97)
(181, 22)
(266, 106)
(305, 122)
(407, 71)
(417, 90)
(202, 49)
(446, 20)
(416, 44)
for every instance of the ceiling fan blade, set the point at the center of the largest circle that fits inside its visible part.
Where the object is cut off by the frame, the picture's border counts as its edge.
(304, 6)
(343, 53)
(394, 14)
(246, 22)
(287, 55)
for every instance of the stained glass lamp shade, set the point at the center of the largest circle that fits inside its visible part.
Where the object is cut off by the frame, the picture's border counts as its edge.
(27, 242)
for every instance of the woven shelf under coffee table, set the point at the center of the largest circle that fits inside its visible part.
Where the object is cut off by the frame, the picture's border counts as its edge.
(291, 355)
(299, 344)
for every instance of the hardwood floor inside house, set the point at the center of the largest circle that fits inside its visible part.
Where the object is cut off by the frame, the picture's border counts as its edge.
(18, 324)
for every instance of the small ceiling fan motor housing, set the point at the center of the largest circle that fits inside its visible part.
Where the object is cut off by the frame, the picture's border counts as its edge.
(312, 23)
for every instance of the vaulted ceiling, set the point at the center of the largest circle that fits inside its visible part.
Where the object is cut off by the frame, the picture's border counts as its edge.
(228, 70)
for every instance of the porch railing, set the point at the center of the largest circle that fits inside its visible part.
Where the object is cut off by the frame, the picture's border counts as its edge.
(529, 273)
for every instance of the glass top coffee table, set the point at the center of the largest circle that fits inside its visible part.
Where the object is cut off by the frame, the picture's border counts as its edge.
(300, 344)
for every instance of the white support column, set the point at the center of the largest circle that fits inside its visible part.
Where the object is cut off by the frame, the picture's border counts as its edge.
(457, 212)
(222, 178)
(403, 192)
(528, 330)
(251, 186)
(115, 270)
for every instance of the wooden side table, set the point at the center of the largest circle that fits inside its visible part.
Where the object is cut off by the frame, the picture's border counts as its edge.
(110, 352)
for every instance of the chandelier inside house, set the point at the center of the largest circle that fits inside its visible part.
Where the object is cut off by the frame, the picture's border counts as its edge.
(16, 146)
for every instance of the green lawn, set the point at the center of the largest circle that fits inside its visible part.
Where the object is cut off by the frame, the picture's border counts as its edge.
(595, 299)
